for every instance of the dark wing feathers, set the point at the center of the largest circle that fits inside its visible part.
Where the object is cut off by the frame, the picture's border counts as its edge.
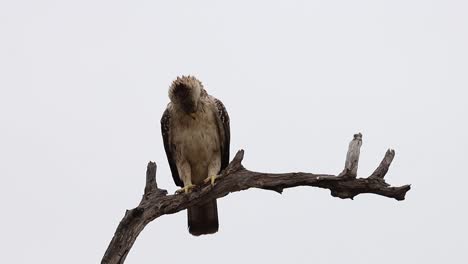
(165, 127)
(224, 119)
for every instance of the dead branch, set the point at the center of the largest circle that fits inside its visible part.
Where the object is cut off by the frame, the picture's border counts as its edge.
(235, 177)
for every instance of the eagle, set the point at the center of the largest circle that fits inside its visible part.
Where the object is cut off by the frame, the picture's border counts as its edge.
(196, 134)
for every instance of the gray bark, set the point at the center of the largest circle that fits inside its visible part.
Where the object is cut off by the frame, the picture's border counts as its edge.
(156, 202)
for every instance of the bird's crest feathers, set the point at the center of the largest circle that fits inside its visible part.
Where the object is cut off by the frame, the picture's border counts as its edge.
(185, 86)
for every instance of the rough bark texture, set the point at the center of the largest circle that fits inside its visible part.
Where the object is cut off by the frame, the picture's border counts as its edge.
(235, 177)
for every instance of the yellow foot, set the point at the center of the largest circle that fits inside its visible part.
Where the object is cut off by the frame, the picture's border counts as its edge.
(211, 179)
(186, 189)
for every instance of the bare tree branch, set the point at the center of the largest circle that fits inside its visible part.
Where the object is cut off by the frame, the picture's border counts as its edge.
(235, 177)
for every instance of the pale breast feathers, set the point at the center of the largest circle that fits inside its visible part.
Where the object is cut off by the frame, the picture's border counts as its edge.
(198, 137)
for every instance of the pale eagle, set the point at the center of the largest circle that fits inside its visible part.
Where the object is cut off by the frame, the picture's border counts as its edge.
(196, 135)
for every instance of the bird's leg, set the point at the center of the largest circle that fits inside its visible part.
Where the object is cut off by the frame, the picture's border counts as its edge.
(213, 170)
(185, 171)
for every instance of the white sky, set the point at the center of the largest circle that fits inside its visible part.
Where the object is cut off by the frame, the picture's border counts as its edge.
(83, 85)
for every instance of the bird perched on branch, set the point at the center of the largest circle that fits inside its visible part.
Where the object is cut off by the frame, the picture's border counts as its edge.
(196, 135)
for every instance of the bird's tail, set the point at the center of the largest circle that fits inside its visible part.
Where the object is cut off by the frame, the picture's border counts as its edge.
(203, 219)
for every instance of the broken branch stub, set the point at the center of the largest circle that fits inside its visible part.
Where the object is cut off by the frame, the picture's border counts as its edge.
(352, 157)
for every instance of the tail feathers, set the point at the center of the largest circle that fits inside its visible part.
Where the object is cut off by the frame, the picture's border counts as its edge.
(203, 219)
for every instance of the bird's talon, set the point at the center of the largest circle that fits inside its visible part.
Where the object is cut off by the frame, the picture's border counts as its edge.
(211, 179)
(185, 189)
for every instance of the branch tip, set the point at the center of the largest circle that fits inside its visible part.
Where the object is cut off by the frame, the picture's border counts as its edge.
(151, 185)
(235, 164)
(401, 192)
(358, 136)
(239, 156)
(352, 157)
(384, 165)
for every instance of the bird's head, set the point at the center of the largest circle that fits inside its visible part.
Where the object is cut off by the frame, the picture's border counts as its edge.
(185, 92)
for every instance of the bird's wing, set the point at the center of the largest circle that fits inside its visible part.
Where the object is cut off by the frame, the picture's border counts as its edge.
(170, 148)
(225, 132)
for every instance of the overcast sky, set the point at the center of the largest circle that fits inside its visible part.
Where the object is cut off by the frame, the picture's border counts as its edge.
(83, 85)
